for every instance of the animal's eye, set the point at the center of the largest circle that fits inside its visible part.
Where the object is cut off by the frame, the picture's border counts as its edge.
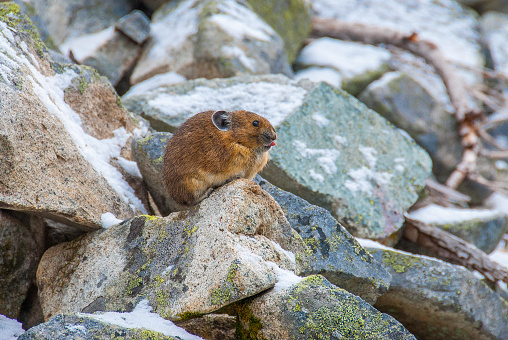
(255, 123)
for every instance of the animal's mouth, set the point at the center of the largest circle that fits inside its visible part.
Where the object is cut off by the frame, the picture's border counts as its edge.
(269, 146)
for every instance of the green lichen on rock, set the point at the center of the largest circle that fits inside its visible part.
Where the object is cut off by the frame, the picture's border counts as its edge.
(289, 18)
(226, 291)
(401, 262)
(10, 13)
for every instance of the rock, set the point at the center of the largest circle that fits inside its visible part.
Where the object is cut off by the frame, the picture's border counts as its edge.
(136, 26)
(335, 253)
(18, 263)
(436, 300)
(149, 155)
(139, 324)
(317, 74)
(113, 51)
(494, 36)
(358, 64)
(482, 227)
(211, 39)
(187, 264)
(314, 309)
(410, 106)
(289, 18)
(164, 79)
(450, 26)
(334, 153)
(66, 19)
(212, 326)
(77, 129)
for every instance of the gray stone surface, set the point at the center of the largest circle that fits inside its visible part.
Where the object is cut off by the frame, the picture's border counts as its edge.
(409, 105)
(81, 327)
(18, 262)
(75, 124)
(211, 39)
(65, 19)
(135, 25)
(335, 253)
(289, 18)
(331, 150)
(315, 309)
(233, 245)
(149, 155)
(436, 300)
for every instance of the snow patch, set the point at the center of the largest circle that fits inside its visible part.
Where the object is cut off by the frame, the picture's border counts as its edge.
(10, 329)
(273, 101)
(240, 23)
(289, 254)
(325, 158)
(237, 52)
(438, 214)
(285, 278)
(498, 202)
(320, 120)
(85, 46)
(318, 177)
(143, 318)
(317, 74)
(108, 220)
(370, 154)
(164, 79)
(340, 140)
(361, 179)
(130, 166)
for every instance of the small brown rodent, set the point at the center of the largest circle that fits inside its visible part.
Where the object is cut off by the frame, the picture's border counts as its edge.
(212, 148)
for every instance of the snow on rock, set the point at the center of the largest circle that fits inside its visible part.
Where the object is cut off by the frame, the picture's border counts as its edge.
(211, 39)
(494, 27)
(143, 317)
(446, 23)
(10, 329)
(438, 214)
(317, 74)
(84, 46)
(164, 79)
(108, 219)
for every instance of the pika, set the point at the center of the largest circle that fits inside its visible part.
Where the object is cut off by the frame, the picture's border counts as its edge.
(213, 148)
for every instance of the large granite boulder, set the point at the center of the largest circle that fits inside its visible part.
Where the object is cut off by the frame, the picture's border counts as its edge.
(331, 151)
(436, 300)
(64, 136)
(212, 39)
(313, 308)
(233, 245)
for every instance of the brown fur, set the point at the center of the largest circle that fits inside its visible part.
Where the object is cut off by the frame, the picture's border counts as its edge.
(200, 157)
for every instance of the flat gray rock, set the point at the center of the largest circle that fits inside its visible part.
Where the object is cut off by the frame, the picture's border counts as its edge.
(436, 300)
(331, 150)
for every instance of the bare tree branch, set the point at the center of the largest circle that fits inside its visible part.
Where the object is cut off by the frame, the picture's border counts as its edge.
(449, 246)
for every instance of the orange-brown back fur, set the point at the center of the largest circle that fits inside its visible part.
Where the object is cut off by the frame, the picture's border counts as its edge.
(200, 157)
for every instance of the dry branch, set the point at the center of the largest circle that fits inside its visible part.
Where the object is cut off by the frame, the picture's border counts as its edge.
(448, 246)
(465, 112)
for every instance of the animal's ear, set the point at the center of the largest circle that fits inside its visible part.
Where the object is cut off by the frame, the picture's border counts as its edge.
(222, 120)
